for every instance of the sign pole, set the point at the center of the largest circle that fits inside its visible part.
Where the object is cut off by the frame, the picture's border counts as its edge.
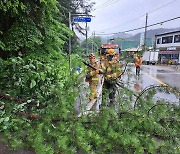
(70, 43)
(82, 19)
(92, 42)
(86, 41)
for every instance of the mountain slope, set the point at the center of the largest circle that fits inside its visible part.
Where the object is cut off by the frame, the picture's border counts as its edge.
(151, 33)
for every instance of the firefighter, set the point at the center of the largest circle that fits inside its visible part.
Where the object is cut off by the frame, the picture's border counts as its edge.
(117, 56)
(138, 63)
(92, 77)
(111, 70)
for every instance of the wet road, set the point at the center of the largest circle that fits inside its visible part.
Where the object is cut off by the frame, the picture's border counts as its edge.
(153, 75)
(163, 74)
(149, 75)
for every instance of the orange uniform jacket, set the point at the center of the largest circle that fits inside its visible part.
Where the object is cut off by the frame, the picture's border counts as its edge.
(138, 62)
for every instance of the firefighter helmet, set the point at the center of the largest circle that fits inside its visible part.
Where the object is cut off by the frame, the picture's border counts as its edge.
(110, 52)
(91, 56)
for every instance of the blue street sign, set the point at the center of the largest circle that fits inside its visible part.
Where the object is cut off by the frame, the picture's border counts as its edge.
(81, 19)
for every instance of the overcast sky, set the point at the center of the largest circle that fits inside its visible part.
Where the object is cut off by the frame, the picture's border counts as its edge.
(117, 15)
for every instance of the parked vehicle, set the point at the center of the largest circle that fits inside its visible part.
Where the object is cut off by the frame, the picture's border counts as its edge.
(150, 57)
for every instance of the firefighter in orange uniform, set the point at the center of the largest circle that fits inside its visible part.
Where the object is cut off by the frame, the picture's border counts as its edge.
(92, 77)
(138, 63)
(111, 70)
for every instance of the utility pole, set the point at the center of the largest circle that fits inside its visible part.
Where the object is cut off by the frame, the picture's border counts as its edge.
(86, 33)
(145, 32)
(70, 43)
(93, 41)
(80, 17)
(86, 40)
(94, 49)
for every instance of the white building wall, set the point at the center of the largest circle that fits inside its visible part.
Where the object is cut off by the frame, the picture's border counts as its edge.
(167, 44)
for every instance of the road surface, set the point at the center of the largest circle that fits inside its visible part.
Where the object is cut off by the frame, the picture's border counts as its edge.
(153, 75)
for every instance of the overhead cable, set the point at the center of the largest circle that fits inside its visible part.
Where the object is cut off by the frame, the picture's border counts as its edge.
(103, 4)
(140, 16)
(140, 27)
(161, 6)
(107, 3)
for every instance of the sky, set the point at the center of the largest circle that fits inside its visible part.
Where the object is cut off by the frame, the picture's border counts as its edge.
(111, 16)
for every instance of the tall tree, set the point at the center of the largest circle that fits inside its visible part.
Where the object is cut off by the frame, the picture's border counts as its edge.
(29, 24)
(93, 42)
(75, 7)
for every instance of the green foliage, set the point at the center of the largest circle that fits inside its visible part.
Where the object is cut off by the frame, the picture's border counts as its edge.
(46, 79)
(23, 34)
(31, 28)
(2, 45)
(12, 5)
(36, 69)
(95, 41)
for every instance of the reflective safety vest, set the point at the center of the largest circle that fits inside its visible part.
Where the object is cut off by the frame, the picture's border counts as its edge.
(93, 74)
(111, 68)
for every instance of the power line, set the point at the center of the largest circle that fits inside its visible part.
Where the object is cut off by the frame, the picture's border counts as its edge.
(161, 7)
(140, 16)
(111, 3)
(107, 3)
(103, 4)
(125, 23)
(141, 27)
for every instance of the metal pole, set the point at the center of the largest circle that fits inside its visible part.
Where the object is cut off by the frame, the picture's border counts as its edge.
(145, 32)
(145, 37)
(92, 41)
(86, 41)
(70, 42)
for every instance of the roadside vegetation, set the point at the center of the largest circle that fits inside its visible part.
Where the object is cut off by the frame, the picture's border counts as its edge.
(37, 92)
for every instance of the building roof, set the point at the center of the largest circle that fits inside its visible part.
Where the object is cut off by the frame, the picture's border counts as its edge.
(132, 49)
(166, 33)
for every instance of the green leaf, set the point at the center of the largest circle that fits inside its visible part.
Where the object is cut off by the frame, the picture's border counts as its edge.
(33, 83)
(6, 119)
(4, 127)
(1, 120)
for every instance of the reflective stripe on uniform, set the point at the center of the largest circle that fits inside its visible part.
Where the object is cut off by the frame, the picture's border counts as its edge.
(95, 79)
(114, 75)
(109, 69)
(91, 73)
(103, 67)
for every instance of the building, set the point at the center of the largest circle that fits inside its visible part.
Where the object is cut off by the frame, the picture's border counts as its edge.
(126, 44)
(132, 51)
(168, 47)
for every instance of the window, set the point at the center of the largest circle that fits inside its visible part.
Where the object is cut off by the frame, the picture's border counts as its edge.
(159, 41)
(167, 39)
(175, 56)
(176, 38)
